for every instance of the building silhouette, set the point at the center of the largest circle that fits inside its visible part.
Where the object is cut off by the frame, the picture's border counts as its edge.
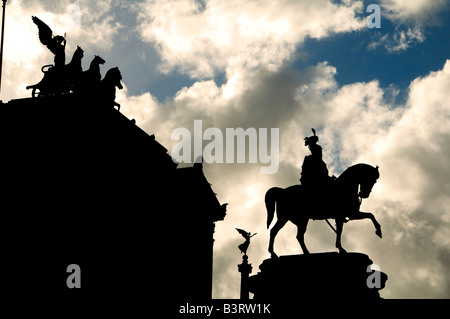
(83, 184)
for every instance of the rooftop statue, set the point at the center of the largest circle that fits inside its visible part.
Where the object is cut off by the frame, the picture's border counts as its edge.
(62, 79)
(56, 44)
(321, 197)
(59, 80)
(90, 79)
(107, 86)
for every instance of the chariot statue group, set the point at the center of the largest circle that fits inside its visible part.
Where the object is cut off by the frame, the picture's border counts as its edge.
(60, 78)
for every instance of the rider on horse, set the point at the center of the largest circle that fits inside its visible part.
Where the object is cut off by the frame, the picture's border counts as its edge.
(314, 175)
(321, 197)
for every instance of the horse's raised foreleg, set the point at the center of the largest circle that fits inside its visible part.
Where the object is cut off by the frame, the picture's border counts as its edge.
(339, 228)
(362, 215)
(273, 233)
(301, 229)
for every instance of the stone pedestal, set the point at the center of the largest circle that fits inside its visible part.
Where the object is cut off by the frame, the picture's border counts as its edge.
(327, 276)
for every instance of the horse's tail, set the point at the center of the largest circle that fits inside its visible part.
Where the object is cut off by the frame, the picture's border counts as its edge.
(272, 196)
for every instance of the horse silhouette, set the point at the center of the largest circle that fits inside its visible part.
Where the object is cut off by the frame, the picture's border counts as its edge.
(57, 81)
(90, 79)
(295, 204)
(107, 86)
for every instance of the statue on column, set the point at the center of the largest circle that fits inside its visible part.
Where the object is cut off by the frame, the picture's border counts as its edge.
(245, 268)
(247, 235)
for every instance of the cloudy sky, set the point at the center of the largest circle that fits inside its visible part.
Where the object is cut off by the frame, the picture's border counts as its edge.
(375, 95)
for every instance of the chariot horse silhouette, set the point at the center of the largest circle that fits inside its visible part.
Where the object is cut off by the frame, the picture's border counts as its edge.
(293, 204)
(107, 86)
(89, 80)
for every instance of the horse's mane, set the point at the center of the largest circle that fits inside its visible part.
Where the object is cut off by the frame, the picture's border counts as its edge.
(77, 55)
(360, 169)
(96, 61)
(112, 74)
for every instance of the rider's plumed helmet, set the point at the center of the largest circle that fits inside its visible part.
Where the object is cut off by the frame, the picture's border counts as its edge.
(312, 140)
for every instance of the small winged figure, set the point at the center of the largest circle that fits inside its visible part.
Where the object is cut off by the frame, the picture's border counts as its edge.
(244, 246)
(56, 44)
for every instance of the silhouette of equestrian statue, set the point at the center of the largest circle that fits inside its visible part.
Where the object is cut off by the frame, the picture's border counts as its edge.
(247, 235)
(321, 197)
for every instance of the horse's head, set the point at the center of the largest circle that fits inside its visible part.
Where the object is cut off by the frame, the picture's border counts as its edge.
(114, 76)
(98, 60)
(368, 180)
(79, 53)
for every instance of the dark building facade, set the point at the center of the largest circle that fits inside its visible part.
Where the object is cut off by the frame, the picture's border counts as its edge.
(83, 184)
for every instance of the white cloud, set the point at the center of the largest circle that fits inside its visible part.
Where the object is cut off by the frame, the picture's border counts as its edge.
(413, 195)
(411, 20)
(236, 35)
(141, 108)
(420, 140)
(399, 41)
(417, 11)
